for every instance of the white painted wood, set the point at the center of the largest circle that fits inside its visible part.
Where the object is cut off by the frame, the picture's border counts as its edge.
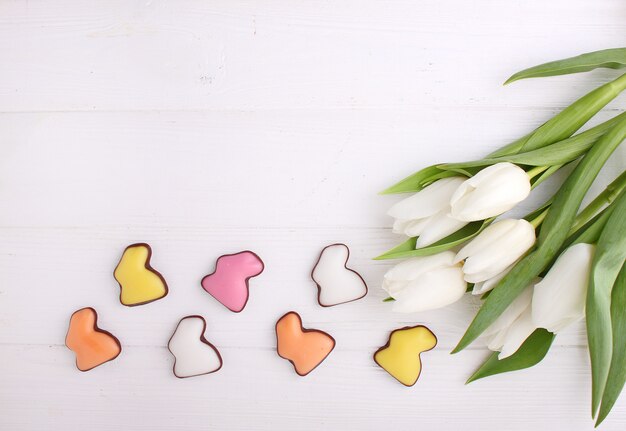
(288, 168)
(292, 54)
(256, 390)
(206, 128)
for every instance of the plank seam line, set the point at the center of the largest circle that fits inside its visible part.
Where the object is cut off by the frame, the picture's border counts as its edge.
(302, 109)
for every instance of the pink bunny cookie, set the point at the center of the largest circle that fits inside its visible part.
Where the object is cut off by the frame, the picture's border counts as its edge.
(229, 282)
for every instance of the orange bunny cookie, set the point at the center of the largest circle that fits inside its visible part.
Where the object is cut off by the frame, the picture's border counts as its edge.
(92, 345)
(304, 348)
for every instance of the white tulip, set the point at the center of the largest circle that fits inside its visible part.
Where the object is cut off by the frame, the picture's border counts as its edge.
(496, 248)
(559, 299)
(491, 192)
(425, 283)
(487, 285)
(515, 335)
(426, 214)
(509, 331)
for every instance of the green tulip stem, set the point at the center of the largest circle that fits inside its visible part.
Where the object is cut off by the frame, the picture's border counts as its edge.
(536, 222)
(608, 195)
(536, 171)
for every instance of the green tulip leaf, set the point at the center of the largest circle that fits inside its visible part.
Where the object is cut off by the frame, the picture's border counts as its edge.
(572, 118)
(558, 153)
(590, 221)
(407, 248)
(568, 121)
(419, 180)
(530, 353)
(608, 260)
(614, 58)
(539, 212)
(558, 128)
(590, 232)
(617, 372)
(566, 150)
(553, 233)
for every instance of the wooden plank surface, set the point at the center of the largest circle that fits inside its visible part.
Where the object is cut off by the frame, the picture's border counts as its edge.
(206, 128)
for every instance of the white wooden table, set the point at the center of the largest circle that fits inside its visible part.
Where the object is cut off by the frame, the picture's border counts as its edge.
(208, 127)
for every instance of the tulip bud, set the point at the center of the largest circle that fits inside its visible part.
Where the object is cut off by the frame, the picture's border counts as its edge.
(425, 283)
(426, 214)
(495, 249)
(559, 299)
(510, 341)
(509, 331)
(491, 192)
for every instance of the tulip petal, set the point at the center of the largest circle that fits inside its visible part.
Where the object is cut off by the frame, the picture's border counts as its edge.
(409, 227)
(416, 227)
(428, 201)
(497, 340)
(512, 313)
(492, 234)
(517, 333)
(438, 227)
(399, 225)
(559, 299)
(487, 285)
(493, 191)
(434, 289)
(497, 249)
(392, 287)
(411, 269)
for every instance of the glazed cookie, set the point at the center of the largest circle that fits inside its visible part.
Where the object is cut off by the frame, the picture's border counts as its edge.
(304, 348)
(139, 282)
(400, 357)
(229, 282)
(91, 345)
(193, 354)
(336, 283)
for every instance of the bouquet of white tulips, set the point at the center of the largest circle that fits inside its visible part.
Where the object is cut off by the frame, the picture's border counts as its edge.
(535, 275)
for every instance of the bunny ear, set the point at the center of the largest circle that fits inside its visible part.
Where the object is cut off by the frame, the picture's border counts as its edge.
(336, 283)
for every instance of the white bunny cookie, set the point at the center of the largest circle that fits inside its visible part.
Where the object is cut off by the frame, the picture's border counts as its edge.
(193, 353)
(336, 283)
